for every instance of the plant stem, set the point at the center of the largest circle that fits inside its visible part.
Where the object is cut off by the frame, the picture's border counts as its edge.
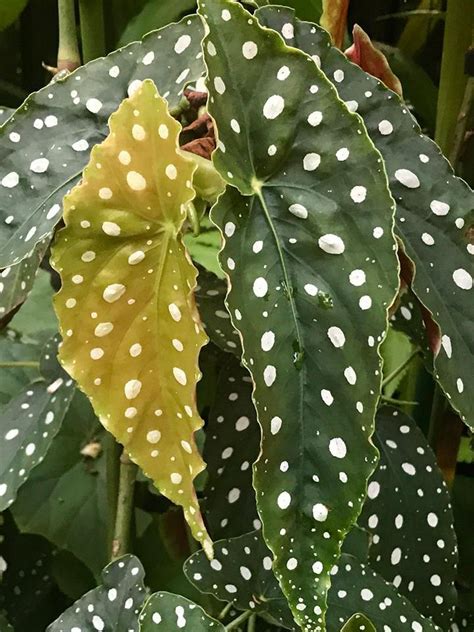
(121, 540)
(68, 50)
(16, 365)
(236, 622)
(457, 39)
(224, 612)
(396, 372)
(398, 402)
(252, 624)
(112, 454)
(91, 13)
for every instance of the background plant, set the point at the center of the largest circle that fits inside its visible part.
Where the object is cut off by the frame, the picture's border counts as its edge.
(309, 293)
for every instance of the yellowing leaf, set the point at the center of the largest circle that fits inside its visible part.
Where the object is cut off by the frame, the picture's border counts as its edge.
(131, 330)
(334, 19)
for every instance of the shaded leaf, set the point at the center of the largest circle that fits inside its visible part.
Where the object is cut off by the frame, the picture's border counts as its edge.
(5, 114)
(396, 350)
(36, 319)
(334, 19)
(66, 493)
(204, 248)
(310, 310)
(127, 314)
(45, 145)
(358, 623)
(371, 59)
(114, 606)
(13, 378)
(174, 613)
(9, 12)
(155, 15)
(29, 423)
(241, 572)
(232, 446)
(409, 514)
(210, 299)
(16, 281)
(434, 212)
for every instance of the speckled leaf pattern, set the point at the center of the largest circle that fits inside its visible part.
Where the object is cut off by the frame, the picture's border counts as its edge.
(169, 613)
(113, 607)
(16, 281)
(29, 423)
(210, 296)
(434, 212)
(45, 145)
(307, 299)
(127, 314)
(241, 572)
(358, 623)
(409, 514)
(67, 492)
(232, 446)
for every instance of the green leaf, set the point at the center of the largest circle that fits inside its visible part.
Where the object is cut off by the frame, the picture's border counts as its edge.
(204, 248)
(45, 145)
(36, 319)
(409, 514)
(30, 422)
(358, 623)
(232, 446)
(114, 606)
(5, 114)
(9, 12)
(241, 572)
(155, 15)
(396, 350)
(66, 493)
(434, 208)
(210, 299)
(126, 309)
(14, 351)
(176, 612)
(17, 281)
(310, 309)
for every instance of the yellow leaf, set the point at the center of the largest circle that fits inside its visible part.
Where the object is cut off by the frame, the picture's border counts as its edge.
(131, 330)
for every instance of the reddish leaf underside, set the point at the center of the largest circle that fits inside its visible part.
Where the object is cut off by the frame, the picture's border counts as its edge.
(131, 330)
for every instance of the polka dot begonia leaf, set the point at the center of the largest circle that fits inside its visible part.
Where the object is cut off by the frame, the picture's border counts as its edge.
(358, 623)
(5, 114)
(67, 492)
(308, 300)
(210, 299)
(434, 209)
(16, 281)
(112, 607)
(126, 309)
(409, 514)
(45, 145)
(29, 423)
(241, 573)
(232, 446)
(169, 613)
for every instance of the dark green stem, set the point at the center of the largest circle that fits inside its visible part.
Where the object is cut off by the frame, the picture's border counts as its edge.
(112, 454)
(68, 49)
(91, 14)
(457, 40)
(225, 611)
(123, 519)
(398, 402)
(237, 622)
(252, 624)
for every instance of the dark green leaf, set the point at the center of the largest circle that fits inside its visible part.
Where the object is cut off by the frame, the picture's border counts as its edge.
(175, 613)
(307, 298)
(434, 212)
(66, 493)
(358, 623)
(210, 295)
(114, 606)
(46, 144)
(155, 15)
(231, 448)
(9, 11)
(36, 318)
(409, 514)
(13, 378)
(29, 423)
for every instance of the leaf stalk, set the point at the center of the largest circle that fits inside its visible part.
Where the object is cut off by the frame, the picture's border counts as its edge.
(121, 539)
